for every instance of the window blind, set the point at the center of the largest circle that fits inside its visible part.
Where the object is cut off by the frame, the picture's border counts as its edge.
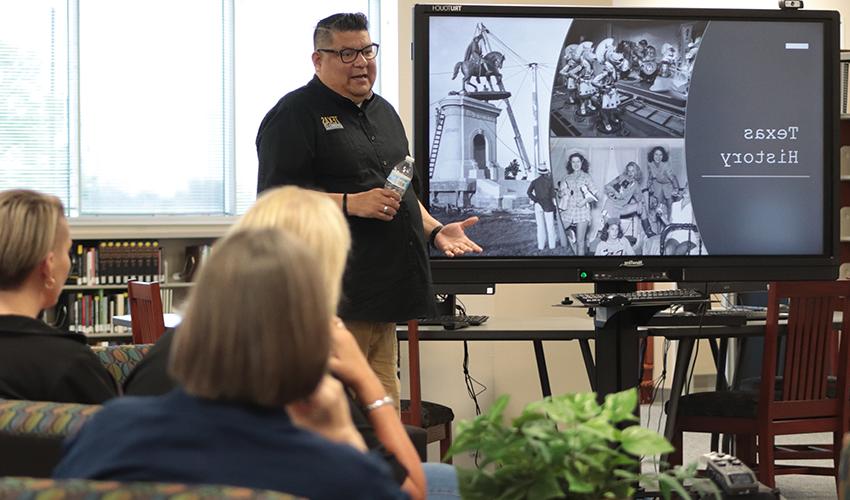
(34, 151)
(165, 97)
(151, 107)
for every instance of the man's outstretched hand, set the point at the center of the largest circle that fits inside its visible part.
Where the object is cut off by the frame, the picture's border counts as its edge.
(453, 241)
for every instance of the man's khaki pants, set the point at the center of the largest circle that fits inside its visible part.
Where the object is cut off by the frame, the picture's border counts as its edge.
(378, 342)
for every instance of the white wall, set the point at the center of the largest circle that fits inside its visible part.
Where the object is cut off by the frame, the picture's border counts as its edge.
(842, 6)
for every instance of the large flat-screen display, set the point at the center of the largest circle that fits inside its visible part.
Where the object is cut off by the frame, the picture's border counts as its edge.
(638, 144)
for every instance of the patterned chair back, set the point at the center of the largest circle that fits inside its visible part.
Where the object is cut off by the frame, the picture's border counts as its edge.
(80, 489)
(32, 432)
(119, 360)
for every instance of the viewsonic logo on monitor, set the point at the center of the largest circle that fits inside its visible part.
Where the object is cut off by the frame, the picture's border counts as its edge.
(446, 8)
(632, 263)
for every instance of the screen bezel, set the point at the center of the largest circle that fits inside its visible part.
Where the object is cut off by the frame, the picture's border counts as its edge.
(550, 269)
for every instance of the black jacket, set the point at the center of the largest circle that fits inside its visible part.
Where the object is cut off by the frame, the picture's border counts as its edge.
(41, 363)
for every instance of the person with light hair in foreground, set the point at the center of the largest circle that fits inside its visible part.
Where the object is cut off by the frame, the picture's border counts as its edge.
(39, 362)
(316, 221)
(251, 361)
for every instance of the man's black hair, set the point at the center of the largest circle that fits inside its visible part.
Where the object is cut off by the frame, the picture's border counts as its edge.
(338, 22)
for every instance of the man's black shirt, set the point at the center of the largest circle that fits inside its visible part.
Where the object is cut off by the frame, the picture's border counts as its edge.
(318, 139)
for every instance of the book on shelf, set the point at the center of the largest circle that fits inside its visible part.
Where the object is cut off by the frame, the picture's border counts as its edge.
(92, 313)
(116, 262)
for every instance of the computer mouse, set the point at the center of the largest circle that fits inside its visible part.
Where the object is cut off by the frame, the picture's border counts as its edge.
(455, 325)
(614, 300)
(567, 301)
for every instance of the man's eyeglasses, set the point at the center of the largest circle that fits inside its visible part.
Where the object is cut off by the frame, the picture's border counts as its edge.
(349, 55)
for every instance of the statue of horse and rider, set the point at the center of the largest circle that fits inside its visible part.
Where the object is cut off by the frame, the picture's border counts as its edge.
(478, 66)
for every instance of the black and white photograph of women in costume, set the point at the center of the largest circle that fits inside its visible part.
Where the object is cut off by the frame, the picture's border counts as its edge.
(577, 195)
(598, 185)
(624, 79)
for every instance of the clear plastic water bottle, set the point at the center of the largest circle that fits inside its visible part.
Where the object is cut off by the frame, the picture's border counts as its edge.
(401, 175)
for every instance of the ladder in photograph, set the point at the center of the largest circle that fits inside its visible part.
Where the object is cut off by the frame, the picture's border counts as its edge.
(435, 146)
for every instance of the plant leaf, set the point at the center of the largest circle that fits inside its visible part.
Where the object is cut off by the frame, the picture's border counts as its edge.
(641, 441)
(476, 485)
(564, 446)
(518, 489)
(621, 405)
(547, 487)
(577, 483)
(601, 427)
(674, 485)
(529, 416)
(538, 429)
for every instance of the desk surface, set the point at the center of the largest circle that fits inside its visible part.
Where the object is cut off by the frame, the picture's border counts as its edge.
(567, 328)
(548, 328)
(751, 329)
(571, 328)
(171, 320)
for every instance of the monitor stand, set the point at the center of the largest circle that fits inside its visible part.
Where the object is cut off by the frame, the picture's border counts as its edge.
(617, 341)
(446, 295)
(446, 304)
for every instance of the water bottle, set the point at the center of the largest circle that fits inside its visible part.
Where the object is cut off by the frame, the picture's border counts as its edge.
(401, 175)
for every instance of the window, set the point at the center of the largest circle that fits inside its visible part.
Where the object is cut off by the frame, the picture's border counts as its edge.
(274, 41)
(34, 145)
(152, 119)
(147, 107)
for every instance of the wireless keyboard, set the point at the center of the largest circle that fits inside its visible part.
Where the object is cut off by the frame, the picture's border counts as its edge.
(759, 313)
(639, 297)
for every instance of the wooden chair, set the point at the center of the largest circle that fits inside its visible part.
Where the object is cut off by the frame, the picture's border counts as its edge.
(145, 312)
(435, 418)
(796, 395)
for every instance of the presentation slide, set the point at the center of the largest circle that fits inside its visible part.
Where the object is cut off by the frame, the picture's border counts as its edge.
(618, 137)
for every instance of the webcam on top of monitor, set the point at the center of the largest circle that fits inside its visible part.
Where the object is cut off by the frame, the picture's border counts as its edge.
(790, 4)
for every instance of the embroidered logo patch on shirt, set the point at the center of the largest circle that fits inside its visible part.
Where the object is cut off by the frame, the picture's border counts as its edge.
(331, 122)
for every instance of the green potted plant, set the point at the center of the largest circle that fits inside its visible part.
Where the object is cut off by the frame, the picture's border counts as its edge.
(566, 447)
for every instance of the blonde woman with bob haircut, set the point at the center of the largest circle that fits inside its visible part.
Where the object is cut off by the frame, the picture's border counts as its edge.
(254, 342)
(37, 361)
(317, 222)
(237, 343)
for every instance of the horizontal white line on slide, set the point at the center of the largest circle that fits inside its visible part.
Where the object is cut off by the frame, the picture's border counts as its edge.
(733, 176)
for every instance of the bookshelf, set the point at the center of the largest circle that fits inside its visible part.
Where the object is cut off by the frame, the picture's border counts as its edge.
(88, 301)
(84, 288)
